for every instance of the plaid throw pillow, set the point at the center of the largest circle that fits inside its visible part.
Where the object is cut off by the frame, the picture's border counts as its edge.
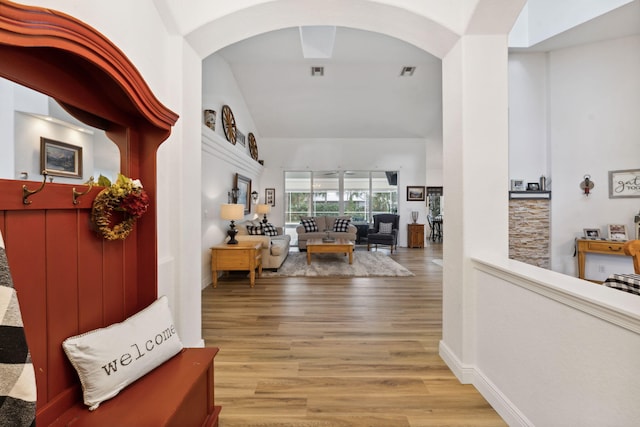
(386, 227)
(270, 230)
(309, 225)
(341, 225)
(255, 230)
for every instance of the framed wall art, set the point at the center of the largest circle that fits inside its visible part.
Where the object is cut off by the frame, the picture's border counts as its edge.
(415, 193)
(270, 196)
(243, 186)
(617, 232)
(624, 183)
(60, 159)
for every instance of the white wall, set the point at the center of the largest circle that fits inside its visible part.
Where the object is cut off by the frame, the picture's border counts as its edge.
(547, 355)
(574, 112)
(594, 129)
(221, 160)
(528, 142)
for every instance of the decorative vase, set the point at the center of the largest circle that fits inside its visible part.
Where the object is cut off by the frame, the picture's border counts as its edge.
(414, 216)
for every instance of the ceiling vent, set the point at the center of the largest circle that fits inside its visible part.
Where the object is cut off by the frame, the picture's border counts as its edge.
(407, 71)
(317, 71)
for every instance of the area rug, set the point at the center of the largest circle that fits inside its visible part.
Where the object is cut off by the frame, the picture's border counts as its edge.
(365, 264)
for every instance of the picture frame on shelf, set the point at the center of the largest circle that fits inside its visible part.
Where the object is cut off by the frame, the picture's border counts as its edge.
(243, 184)
(270, 196)
(517, 185)
(624, 183)
(617, 232)
(415, 193)
(210, 119)
(592, 233)
(60, 159)
(533, 186)
(240, 138)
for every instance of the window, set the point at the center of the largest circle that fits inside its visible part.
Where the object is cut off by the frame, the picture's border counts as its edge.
(359, 194)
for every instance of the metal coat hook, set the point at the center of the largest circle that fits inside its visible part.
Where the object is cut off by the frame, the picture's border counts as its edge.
(26, 193)
(76, 194)
(587, 185)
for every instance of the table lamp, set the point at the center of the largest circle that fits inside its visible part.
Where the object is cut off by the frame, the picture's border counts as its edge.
(263, 209)
(232, 212)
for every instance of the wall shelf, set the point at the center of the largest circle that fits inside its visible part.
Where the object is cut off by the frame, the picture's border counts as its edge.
(529, 194)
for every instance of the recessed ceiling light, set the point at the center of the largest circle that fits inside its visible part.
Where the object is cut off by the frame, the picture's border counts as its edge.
(407, 71)
(317, 71)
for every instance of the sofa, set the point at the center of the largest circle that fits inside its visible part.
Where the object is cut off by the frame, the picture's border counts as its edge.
(274, 248)
(324, 225)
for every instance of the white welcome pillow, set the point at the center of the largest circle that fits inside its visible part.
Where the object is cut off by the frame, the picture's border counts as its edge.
(109, 359)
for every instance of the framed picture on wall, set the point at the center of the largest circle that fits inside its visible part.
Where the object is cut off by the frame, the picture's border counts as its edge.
(270, 196)
(415, 193)
(624, 183)
(243, 186)
(60, 159)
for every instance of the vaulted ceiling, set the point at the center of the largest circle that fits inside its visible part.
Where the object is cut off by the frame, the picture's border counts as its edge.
(362, 93)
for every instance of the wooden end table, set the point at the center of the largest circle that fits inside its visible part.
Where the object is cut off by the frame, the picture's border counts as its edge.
(318, 246)
(241, 257)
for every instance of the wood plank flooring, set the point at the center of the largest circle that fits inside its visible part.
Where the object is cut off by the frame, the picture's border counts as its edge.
(337, 352)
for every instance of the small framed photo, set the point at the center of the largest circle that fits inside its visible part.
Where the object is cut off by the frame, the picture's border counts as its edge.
(60, 159)
(617, 232)
(592, 233)
(415, 193)
(533, 186)
(517, 185)
(270, 196)
(240, 138)
(210, 119)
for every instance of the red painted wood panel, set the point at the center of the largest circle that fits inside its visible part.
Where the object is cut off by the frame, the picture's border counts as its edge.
(90, 275)
(24, 242)
(61, 240)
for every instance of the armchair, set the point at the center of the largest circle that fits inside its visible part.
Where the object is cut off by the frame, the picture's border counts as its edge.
(376, 236)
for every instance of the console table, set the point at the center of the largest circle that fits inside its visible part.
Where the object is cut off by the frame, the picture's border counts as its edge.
(606, 247)
(244, 256)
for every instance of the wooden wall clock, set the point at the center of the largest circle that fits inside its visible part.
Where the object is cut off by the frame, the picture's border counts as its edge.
(229, 124)
(253, 146)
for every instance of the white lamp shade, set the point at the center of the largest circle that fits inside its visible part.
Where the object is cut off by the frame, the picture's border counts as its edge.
(263, 209)
(232, 212)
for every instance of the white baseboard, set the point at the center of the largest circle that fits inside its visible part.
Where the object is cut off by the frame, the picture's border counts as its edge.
(469, 374)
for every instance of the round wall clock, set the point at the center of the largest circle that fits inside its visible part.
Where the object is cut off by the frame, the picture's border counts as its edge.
(253, 146)
(229, 124)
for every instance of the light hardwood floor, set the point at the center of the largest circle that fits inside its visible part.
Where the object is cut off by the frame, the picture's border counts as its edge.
(337, 352)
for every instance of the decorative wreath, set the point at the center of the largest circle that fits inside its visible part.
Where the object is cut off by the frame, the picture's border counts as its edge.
(125, 195)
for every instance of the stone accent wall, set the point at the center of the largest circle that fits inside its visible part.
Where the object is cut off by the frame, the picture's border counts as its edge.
(529, 227)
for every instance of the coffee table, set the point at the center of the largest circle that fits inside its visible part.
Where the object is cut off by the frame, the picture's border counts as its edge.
(318, 246)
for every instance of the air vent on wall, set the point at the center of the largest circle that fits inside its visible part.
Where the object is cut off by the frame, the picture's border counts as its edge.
(317, 71)
(407, 71)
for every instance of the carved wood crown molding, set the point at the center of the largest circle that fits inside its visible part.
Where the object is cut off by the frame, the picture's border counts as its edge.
(59, 34)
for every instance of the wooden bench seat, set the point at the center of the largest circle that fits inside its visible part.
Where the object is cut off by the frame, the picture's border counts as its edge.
(179, 393)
